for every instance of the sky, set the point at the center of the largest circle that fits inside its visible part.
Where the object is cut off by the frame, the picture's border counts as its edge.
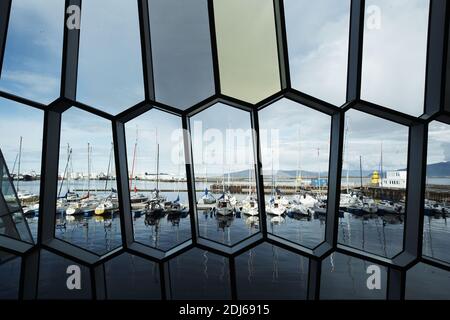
(110, 78)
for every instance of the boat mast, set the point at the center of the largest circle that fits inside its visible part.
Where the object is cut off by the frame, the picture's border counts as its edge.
(346, 152)
(360, 172)
(157, 162)
(89, 171)
(134, 161)
(381, 171)
(299, 171)
(18, 168)
(109, 166)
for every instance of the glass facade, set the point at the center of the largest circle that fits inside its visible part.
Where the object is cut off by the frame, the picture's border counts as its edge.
(224, 149)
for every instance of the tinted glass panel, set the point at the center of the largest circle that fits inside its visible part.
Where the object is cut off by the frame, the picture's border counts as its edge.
(181, 47)
(110, 63)
(21, 144)
(132, 278)
(436, 231)
(424, 282)
(295, 144)
(247, 48)
(222, 145)
(269, 272)
(317, 34)
(347, 278)
(9, 276)
(87, 208)
(32, 62)
(374, 173)
(209, 277)
(157, 175)
(394, 55)
(53, 279)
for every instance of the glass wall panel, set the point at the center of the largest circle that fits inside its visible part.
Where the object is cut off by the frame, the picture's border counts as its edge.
(33, 55)
(436, 231)
(9, 276)
(394, 54)
(199, 275)
(317, 34)
(247, 48)
(181, 47)
(21, 145)
(347, 278)
(110, 62)
(295, 148)
(222, 145)
(269, 272)
(132, 278)
(424, 282)
(54, 276)
(156, 170)
(373, 184)
(87, 207)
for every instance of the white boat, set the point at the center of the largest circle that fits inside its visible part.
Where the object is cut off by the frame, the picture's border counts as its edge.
(305, 199)
(207, 198)
(74, 209)
(27, 196)
(250, 206)
(275, 209)
(300, 209)
(105, 206)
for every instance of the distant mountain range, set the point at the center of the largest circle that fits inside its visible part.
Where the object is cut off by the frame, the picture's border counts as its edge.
(441, 169)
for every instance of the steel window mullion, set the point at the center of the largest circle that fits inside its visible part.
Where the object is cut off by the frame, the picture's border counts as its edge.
(334, 179)
(417, 160)
(71, 46)
(5, 11)
(98, 282)
(314, 277)
(49, 176)
(123, 187)
(190, 178)
(29, 275)
(214, 53)
(355, 50)
(283, 57)
(259, 172)
(146, 49)
(436, 56)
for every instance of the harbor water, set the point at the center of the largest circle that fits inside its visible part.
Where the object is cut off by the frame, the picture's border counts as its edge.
(261, 267)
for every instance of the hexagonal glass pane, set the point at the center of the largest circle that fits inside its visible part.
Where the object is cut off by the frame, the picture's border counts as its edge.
(156, 170)
(181, 49)
(9, 276)
(295, 148)
(129, 277)
(222, 145)
(53, 276)
(424, 282)
(317, 34)
(394, 54)
(268, 272)
(32, 61)
(347, 278)
(110, 74)
(199, 275)
(247, 48)
(373, 184)
(21, 145)
(437, 193)
(87, 207)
